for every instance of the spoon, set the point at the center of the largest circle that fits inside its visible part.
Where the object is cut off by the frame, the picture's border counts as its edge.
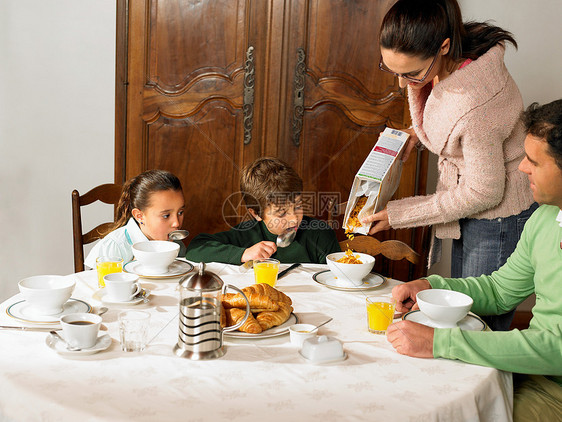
(178, 235)
(68, 346)
(141, 294)
(324, 323)
(285, 239)
(102, 310)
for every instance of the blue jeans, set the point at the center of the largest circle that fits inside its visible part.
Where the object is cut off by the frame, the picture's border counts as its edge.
(483, 248)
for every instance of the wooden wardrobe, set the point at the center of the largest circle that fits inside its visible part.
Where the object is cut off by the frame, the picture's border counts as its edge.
(204, 87)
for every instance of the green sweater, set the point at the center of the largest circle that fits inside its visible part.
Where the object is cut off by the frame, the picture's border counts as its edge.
(314, 240)
(535, 266)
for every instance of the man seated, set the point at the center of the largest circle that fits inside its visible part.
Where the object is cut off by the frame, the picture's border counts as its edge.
(272, 192)
(534, 267)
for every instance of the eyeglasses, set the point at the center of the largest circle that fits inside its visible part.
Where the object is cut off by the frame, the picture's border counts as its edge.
(383, 67)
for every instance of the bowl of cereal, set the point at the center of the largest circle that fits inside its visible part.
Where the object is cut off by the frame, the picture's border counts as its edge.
(350, 268)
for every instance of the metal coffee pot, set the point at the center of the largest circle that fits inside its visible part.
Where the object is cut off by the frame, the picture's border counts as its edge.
(200, 332)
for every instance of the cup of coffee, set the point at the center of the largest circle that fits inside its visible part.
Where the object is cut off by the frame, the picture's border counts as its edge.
(121, 287)
(81, 329)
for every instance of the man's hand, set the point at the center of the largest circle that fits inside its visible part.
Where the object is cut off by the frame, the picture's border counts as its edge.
(405, 294)
(382, 221)
(263, 249)
(412, 339)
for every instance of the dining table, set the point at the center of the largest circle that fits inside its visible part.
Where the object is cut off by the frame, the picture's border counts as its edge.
(260, 377)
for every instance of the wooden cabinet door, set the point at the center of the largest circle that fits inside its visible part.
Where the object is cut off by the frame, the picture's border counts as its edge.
(205, 87)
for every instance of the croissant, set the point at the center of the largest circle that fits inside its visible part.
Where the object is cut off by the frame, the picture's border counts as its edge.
(267, 290)
(270, 319)
(257, 302)
(234, 315)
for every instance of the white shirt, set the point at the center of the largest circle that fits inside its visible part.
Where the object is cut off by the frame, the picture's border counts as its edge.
(117, 243)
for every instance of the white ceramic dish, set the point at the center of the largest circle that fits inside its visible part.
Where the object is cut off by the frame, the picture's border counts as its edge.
(178, 268)
(328, 279)
(324, 362)
(20, 311)
(272, 332)
(155, 255)
(444, 307)
(350, 275)
(300, 332)
(322, 349)
(46, 293)
(471, 322)
(103, 342)
(101, 295)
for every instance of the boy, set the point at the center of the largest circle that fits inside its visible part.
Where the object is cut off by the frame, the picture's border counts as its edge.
(272, 193)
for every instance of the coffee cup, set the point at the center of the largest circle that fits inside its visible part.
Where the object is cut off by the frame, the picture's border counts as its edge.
(121, 287)
(80, 330)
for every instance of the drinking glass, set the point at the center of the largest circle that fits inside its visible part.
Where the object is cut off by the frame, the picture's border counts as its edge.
(107, 265)
(133, 330)
(380, 313)
(266, 270)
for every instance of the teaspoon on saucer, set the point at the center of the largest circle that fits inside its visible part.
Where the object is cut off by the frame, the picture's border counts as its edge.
(68, 346)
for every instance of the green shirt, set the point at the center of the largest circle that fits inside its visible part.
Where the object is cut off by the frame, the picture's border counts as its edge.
(314, 240)
(535, 266)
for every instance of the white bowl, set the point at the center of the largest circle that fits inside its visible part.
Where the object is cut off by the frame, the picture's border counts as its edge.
(444, 307)
(155, 256)
(350, 274)
(298, 333)
(46, 293)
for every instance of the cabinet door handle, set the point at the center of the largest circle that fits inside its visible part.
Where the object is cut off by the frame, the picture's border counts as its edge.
(248, 106)
(298, 102)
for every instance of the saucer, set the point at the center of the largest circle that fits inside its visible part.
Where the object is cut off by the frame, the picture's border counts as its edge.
(324, 362)
(21, 311)
(176, 269)
(59, 346)
(101, 295)
(471, 322)
(328, 279)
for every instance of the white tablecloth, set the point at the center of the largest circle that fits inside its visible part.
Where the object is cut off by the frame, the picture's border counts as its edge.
(256, 380)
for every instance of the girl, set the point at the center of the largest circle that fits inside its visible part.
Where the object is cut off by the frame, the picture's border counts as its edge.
(465, 107)
(150, 207)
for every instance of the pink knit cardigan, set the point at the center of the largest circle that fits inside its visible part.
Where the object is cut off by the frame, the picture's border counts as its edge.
(471, 120)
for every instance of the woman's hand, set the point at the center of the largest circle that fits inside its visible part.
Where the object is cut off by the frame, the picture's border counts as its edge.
(412, 142)
(381, 219)
(263, 249)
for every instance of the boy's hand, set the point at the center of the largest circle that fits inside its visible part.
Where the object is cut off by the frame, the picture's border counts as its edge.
(405, 294)
(263, 249)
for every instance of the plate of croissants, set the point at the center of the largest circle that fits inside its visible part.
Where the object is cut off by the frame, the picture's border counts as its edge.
(271, 312)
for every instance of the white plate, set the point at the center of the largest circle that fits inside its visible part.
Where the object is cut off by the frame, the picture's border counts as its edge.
(324, 362)
(21, 311)
(176, 269)
(470, 322)
(272, 332)
(59, 346)
(101, 295)
(328, 279)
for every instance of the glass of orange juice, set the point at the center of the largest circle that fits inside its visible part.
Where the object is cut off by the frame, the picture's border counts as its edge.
(106, 265)
(266, 270)
(380, 313)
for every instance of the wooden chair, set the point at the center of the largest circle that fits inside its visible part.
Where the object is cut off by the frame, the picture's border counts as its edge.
(109, 194)
(391, 249)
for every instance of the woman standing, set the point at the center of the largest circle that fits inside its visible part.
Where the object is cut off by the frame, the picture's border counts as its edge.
(465, 108)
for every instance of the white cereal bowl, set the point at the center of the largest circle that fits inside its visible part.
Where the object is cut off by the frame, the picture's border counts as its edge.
(155, 256)
(298, 333)
(46, 294)
(349, 275)
(445, 308)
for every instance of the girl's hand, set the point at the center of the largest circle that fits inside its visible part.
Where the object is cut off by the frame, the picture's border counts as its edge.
(263, 249)
(382, 221)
